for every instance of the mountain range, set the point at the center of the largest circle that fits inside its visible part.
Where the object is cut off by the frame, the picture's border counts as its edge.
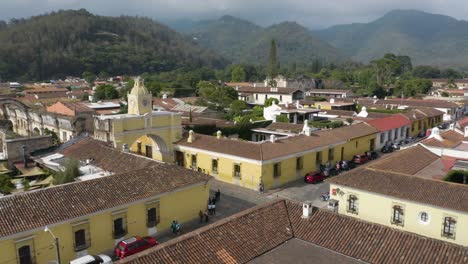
(70, 42)
(244, 42)
(429, 39)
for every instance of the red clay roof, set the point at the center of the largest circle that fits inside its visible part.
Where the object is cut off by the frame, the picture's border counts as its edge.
(390, 122)
(259, 230)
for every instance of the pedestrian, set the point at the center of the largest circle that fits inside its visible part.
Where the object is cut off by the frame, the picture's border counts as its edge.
(206, 216)
(213, 207)
(260, 187)
(177, 228)
(200, 214)
(218, 195)
(213, 200)
(173, 226)
(210, 208)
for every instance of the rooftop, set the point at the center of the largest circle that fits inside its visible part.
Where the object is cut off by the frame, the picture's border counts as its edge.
(268, 90)
(276, 231)
(267, 150)
(390, 122)
(36, 209)
(396, 176)
(447, 139)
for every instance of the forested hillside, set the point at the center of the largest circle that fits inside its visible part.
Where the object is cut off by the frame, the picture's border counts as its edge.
(427, 38)
(71, 42)
(244, 42)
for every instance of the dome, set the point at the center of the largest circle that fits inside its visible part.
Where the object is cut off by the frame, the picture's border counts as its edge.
(139, 87)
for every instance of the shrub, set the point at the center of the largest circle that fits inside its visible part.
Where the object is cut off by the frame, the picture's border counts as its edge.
(456, 176)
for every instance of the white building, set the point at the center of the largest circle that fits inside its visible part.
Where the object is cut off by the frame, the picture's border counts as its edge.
(258, 95)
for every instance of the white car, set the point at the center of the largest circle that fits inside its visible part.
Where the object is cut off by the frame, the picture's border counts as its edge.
(89, 259)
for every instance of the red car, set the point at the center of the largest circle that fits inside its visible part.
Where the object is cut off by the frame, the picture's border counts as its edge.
(133, 245)
(361, 159)
(314, 177)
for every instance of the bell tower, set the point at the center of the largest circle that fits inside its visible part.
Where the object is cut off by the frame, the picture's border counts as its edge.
(140, 101)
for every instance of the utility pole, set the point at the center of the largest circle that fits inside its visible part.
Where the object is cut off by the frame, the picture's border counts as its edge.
(56, 242)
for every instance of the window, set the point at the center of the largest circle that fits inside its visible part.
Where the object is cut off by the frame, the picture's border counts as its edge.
(449, 227)
(194, 161)
(152, 214)
(389, 135)
(281, 98)
(256, 96)
(382, 138)
(276, 170)
(138, 147)
(214, 166)
(357, 143)
(395, 134)
(64, 136)
(80, 240)
(24, 255)
(412, 127)
(237, 171)
(266, 96)
(397, 215)
(424, 218)
(331, 154)
(119, 226)
(318, 158)
(402, 131)
(81, 236)
(352, 204)
(299, 163)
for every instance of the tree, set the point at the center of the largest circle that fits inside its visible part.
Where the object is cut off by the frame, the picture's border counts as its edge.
(89, 77)
(238, 74)
(69, 173)
(405, 64)
(273, 60)
(6, 186)
(425, 71)
(458, 176)
(106, 92)
(54, 136)
(385, 68)
(237, 107)
(282, 119)
(349, 120)
(269, 101)
(215, 96)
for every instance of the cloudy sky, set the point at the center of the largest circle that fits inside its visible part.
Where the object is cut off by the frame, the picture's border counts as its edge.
(311, 13)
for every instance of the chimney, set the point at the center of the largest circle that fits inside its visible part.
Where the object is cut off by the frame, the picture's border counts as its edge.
(219, 134)
(452, 126)
(124, 148)
(25, 160)
(297, 104)
(332, 101)
(306, 129)
(164, 96)
(307, 209)
(272, 138)
(255, 85)
(435, 133)
(190, 137)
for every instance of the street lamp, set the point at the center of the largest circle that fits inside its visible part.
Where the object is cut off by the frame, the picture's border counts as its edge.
(56, 240)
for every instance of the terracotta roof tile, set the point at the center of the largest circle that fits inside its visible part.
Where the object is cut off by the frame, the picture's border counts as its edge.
(450, 139)
(106, 157)
(407, 187)
(408, 161)
(254, 232)
(36, 209)
(390, 122)
(267, 150)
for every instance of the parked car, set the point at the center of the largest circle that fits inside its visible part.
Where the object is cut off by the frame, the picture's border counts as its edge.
(133, 245)
(372, 155)
(387, 149)
(360, 158)
(345, 165)
(91, 259)
(443, 126)
(314, 177)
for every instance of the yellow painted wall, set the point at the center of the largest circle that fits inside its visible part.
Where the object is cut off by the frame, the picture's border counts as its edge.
(378, 209)
(182, 205)
(425, 123)
(363, 145)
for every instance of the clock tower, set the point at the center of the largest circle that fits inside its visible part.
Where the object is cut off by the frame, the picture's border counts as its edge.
(140, 101)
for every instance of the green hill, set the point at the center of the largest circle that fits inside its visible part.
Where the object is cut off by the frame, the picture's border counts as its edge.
(243, 41)
(71, 42)
(426, 38)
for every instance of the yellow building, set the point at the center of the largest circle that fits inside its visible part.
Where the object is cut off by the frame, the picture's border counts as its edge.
(397, 191)
(90, 217)
(272, 162)
(142, 131)
(422, 119)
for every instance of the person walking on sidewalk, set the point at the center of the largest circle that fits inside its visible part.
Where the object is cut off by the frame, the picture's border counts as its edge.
(218, 195)
(213, 207)
(200, 214)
